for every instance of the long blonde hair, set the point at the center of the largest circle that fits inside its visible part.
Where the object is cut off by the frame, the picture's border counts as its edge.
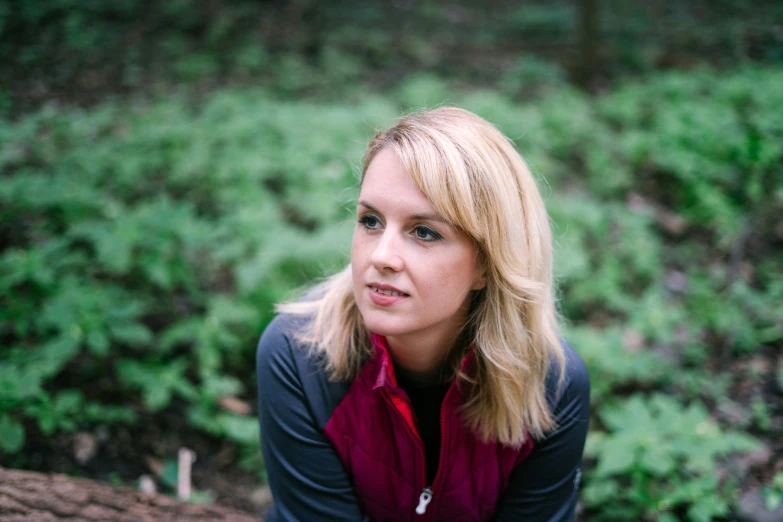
(475, 179)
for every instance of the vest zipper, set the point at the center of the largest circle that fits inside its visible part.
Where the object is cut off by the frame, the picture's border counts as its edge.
(426, 493)
(424, 499)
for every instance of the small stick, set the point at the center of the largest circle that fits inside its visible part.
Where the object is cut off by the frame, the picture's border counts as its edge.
(186, 458)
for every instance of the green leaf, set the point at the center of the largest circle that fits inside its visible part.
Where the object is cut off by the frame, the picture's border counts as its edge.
(55, 354)
(11, 434)
(615, 458)
(68, 401)
(133, 334)
(98, 343)
(705, 509)
(159, 273)
(170, 473)
(772, 499)
(47, 422)
(114, 252)
(157, 397)
(657, 460)
(243, 430)
(18, 382)
(184, 332)
(599, 491)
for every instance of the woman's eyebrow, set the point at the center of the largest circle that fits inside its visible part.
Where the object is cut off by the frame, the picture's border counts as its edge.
(370, 207)
(417, 217)
(429, 217)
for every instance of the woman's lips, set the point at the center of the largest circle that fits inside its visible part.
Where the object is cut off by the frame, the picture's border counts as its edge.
(382, 299)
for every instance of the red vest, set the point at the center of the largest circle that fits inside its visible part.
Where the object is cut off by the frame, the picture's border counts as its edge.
(374, 433)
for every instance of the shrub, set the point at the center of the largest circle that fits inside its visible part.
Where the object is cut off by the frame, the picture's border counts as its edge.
(658, 458)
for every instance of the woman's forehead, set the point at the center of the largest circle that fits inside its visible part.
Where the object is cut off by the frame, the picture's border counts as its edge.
(387, 182)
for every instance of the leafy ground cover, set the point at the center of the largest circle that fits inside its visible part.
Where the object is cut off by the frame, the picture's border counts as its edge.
(144, 243)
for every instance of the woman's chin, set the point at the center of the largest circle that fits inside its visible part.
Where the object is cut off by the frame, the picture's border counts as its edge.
(380, 323)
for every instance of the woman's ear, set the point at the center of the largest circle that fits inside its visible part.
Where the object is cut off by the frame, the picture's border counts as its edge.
(479, 283)
(481, 272)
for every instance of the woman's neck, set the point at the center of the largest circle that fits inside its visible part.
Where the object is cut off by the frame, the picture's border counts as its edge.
(421, 356)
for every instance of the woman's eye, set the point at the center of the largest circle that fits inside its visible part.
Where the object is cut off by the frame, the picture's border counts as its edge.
(369, 221)
(426, 234)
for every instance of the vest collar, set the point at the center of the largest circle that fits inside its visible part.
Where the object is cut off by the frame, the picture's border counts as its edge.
(385, 365)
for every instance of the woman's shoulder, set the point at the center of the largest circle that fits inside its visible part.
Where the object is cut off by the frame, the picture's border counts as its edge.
(289, 372)
(575, 385)
(279, 343)
(283, 324)
(575, 369)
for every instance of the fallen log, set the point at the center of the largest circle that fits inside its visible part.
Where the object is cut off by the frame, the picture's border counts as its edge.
(30, 496)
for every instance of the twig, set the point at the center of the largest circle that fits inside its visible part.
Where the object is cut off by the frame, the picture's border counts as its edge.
(186, 458)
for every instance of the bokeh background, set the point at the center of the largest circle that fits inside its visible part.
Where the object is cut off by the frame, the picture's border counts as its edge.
(170, 170)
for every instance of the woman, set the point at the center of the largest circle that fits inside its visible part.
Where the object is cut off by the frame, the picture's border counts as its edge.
(428, 381)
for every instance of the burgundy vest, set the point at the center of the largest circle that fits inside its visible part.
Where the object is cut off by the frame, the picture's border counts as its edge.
(374, 433)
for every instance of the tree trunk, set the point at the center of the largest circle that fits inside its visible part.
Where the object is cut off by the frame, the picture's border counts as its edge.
(588, 38)
(29, 496)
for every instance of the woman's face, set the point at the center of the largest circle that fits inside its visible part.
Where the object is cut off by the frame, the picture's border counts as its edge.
(412, 272)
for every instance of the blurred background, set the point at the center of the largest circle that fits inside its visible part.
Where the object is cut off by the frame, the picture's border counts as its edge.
(170, 170)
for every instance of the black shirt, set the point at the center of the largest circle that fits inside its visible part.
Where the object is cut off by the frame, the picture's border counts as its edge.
(426, 397)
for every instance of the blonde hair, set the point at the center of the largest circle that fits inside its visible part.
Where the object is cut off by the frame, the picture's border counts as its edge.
(475, 179)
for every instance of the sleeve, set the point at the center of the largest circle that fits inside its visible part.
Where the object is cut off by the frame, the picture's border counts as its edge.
(545, 486)
(307, 479)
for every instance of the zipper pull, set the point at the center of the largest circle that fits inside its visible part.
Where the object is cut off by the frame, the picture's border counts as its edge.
(424, 499)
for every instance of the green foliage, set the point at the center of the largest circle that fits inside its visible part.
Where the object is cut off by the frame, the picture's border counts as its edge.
(773, 492)
(658, 456)
(761, 414)
(145, 244)
(531, 74)
(424, 90)
(11, 434)
(68, 410)
(612, 366)
(157, 381)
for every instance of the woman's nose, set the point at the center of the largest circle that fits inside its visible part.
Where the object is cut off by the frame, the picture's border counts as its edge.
(386, 254)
